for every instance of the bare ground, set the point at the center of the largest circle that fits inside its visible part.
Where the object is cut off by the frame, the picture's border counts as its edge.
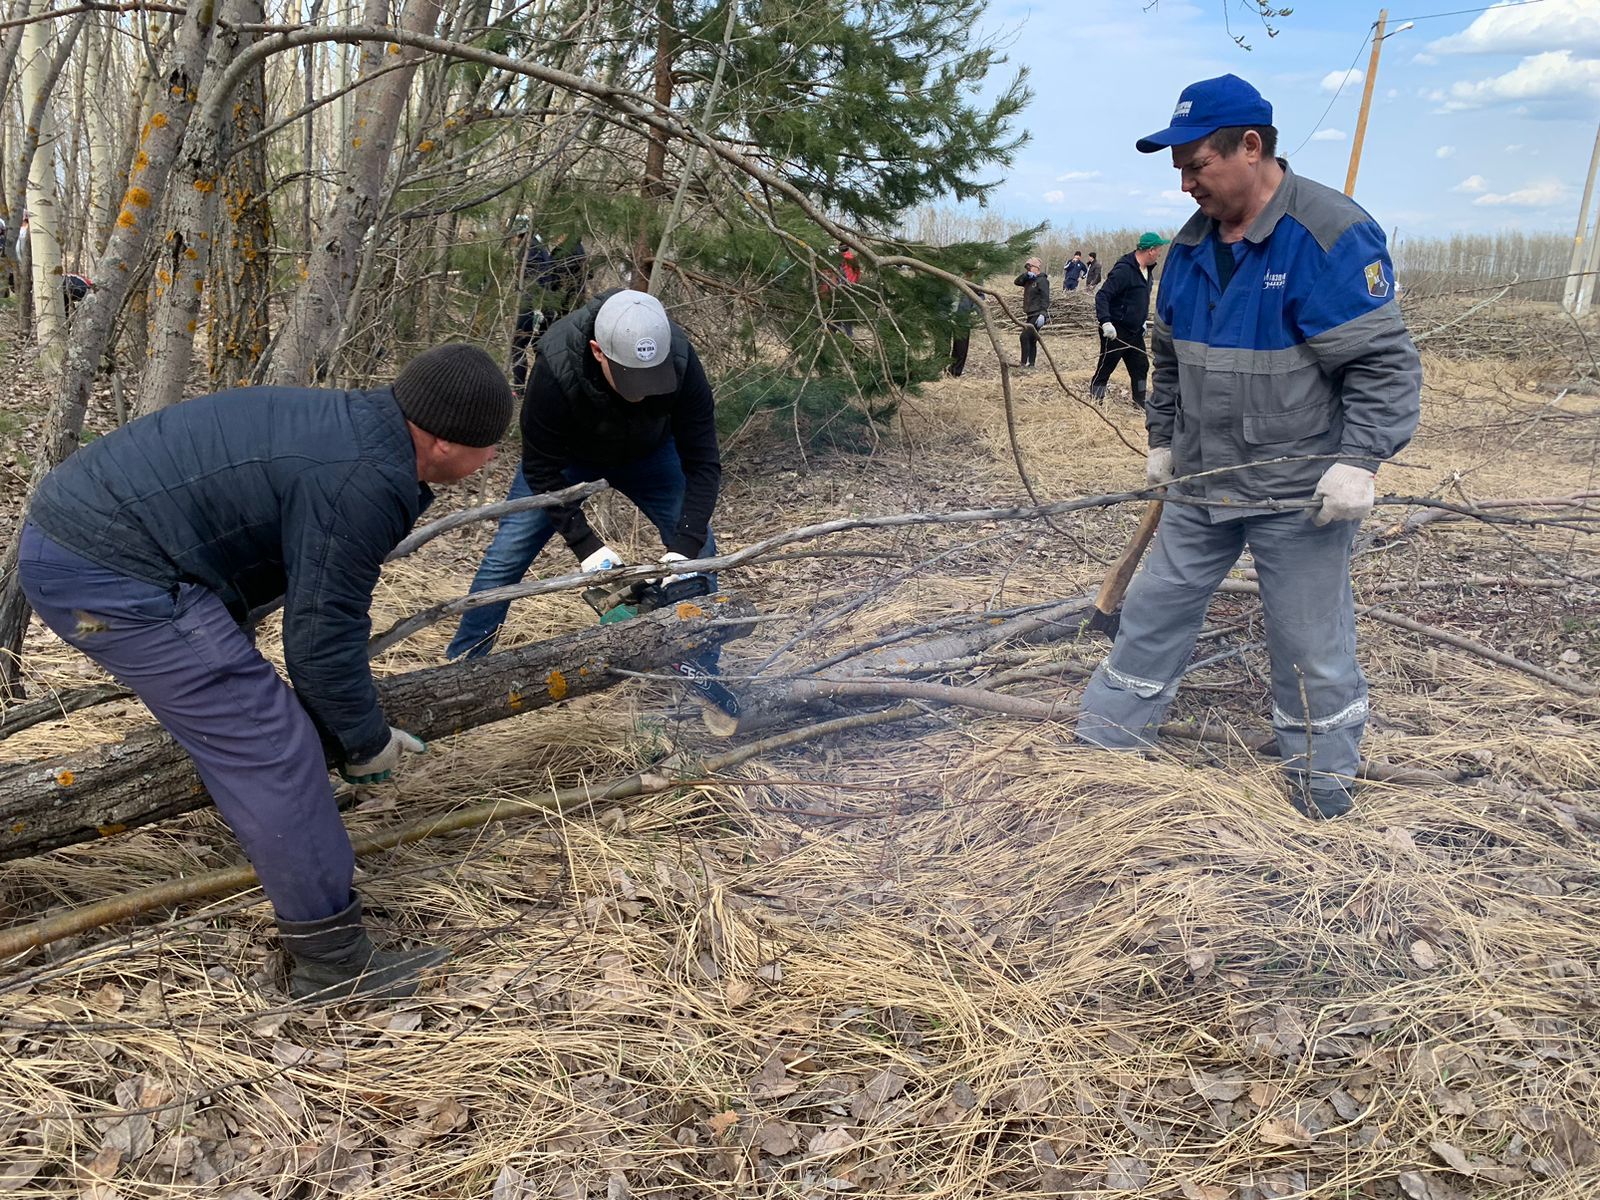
(956, 956)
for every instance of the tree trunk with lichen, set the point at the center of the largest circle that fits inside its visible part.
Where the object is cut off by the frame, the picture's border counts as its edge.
(148, 777)
(118, 270)
(184, 262)
(241, 273)
(316, 322)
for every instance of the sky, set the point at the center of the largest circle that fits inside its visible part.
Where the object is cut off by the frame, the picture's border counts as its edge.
(1480, 121)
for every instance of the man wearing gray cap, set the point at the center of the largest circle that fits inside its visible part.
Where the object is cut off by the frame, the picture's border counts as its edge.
(617, 393)
(1283, 371)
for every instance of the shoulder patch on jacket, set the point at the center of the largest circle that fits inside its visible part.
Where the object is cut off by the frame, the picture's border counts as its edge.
(1377, 285)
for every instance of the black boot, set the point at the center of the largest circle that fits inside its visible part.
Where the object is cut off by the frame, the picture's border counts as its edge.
(1321, 800)
(1138, 396)
(335, 960)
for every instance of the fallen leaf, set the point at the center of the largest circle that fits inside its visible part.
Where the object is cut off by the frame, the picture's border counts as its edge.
(1203, 1191)
(443, 1116)
(1201, 962)
(878, 1091)
(1424, 955)
(777, 1138)
(1346, 1105)
(1125, 1174)
(1215, 1087)
(1573, 1143)
(1284, 1131)
(1453, 1157)
(835, 1139)
(720, 1123)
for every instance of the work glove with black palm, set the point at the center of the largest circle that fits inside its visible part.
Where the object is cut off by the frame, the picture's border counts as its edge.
(1346, 492)
(382, 764)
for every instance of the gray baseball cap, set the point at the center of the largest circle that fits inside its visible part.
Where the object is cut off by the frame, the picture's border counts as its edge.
(635, 336)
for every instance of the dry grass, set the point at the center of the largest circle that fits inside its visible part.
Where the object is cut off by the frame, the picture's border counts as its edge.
(957, 957)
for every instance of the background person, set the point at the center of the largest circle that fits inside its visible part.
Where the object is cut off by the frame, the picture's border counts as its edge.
(1035, 285)
(1295, 365)
(1123, 309)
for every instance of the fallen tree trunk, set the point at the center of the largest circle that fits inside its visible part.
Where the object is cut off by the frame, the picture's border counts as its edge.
(148, 777)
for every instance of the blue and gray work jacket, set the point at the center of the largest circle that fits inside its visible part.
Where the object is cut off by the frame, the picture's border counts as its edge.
(1302, 354)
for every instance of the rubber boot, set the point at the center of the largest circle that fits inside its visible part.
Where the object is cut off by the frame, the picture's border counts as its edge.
(335, 960)
(1319, 803)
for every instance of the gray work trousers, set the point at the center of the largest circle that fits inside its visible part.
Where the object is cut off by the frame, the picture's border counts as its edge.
(1319, 694)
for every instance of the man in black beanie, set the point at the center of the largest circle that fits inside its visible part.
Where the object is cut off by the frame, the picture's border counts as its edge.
(149, 548)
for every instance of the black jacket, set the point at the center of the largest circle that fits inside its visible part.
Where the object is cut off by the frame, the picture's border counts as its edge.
(1125, 298)
(1095, 274)
(258, 493)
(571, 416)
(1035, 293)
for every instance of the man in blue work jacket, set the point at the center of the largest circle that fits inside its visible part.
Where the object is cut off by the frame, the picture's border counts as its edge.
(1283, 371)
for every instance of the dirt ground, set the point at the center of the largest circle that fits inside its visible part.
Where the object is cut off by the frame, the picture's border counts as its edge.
(952, 956)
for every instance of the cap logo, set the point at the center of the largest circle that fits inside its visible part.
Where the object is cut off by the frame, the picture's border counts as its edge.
(645, 349)
(1183, 109)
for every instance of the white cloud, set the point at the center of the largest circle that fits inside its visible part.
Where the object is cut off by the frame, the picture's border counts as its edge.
(1553, 76)
(1445, 152)
(1334, 80)
(1077, 176)
(1537, 195)
(1514, 148)
(1472, 183)
(1328, 135)
(1424, 60)
(1527, 29)
(1057, 197)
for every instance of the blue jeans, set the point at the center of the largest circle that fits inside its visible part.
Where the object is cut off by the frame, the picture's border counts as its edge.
(1319, 693)
(201, 676)
(655, 483)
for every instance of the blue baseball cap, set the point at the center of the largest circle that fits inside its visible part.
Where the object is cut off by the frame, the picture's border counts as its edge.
(1207, 106)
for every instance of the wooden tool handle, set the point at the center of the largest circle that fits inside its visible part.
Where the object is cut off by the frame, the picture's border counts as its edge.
(1121, 572)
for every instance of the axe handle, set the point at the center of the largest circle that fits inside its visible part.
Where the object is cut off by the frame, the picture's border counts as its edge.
(1121, 572)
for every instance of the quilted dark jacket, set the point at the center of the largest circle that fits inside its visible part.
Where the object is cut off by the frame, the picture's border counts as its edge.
(256, 494)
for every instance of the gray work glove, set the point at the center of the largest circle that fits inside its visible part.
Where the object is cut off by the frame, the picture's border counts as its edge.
(1158, 466)
(1108, 330)
(382, 765)
(1346, 493)
(602, 559)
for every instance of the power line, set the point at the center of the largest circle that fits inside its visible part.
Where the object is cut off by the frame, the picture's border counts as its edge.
(1461, 12)
(1338, 91)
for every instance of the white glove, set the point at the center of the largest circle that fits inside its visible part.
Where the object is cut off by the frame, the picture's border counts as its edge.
(602, 559)
(1158, 466)
(1108, 330)
(381, 765)
(672, 556)
(1346, 493)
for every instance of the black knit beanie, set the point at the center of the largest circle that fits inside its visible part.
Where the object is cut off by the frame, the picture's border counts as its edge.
(456, 392)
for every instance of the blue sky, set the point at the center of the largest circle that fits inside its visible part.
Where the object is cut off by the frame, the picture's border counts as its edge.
(1479, 122)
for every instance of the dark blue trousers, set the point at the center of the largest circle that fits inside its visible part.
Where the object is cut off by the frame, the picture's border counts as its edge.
(201, 676)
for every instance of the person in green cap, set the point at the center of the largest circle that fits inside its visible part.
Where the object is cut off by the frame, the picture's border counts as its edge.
(1122, 307)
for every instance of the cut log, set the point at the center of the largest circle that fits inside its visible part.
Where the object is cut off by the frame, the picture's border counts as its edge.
(148, 777)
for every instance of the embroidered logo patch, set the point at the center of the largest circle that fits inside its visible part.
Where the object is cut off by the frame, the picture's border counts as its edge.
(1183, 109)
(1275, 279)
(645, 349)
(1377, 285)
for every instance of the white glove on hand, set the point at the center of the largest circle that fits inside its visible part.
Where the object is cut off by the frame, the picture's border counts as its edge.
(381, 765)
(1158, 466)
(672, 556)
(602, 559)
(1346, 493)
(1108, 330)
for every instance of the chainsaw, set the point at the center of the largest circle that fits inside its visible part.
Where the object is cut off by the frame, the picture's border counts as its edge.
(630, 598)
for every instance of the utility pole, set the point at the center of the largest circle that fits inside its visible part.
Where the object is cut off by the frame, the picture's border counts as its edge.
(1586, 288)
(1366, 97)
(1569, 296)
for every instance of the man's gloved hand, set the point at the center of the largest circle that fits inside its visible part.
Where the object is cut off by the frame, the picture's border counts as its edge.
(1158, 466)
(381, 765)
(1108, 330)
(1346, 493)
(602, 559)
(672, 556)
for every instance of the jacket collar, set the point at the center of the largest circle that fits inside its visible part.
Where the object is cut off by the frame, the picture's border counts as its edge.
(1200, 226)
